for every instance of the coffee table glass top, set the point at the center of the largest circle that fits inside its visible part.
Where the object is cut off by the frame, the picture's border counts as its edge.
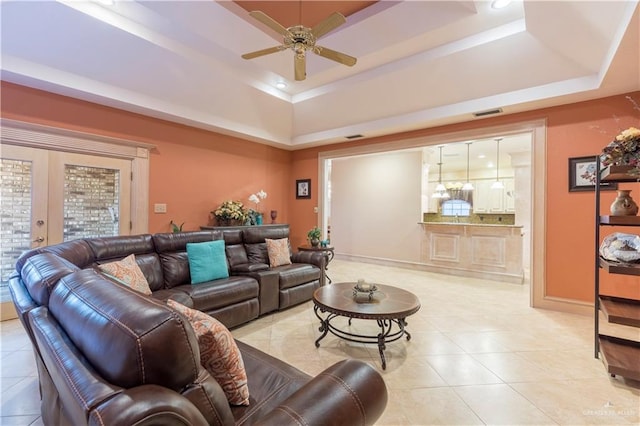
(387, 302)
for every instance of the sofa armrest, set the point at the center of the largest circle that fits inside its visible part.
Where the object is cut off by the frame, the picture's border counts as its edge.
(349, 392)
(316, 258)
(147, 405)
(23, 303)
(22, 300)
(269, 285)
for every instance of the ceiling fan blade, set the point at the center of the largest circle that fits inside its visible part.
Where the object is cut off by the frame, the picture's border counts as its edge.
(333, 21)
(262, 52)
(269, 22)
(335, 56)
(300, 67)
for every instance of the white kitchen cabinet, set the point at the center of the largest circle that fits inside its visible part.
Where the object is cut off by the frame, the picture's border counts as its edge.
(489, 200)
(481, 194)
(509, 196)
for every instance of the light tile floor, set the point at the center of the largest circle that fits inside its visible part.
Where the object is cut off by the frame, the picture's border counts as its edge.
(478, 355)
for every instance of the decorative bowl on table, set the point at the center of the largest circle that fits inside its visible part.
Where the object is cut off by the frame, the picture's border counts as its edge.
(364, 288)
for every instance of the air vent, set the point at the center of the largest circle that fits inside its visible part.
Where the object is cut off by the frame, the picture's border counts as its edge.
(354, 136)
(488, 112)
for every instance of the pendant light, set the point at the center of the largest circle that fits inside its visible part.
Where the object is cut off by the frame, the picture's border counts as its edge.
(497, 184)
(468, 186)
(441, 191)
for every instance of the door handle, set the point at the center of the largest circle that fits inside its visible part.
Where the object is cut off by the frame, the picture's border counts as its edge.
(38, 240)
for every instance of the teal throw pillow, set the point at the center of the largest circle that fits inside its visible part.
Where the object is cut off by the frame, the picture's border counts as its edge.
(207, 261)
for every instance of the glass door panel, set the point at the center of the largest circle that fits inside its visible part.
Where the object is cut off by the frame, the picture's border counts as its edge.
(91, 202)
(23, 209)
(90, 196)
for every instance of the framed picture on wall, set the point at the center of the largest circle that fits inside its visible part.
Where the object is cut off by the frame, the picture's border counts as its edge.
(582, 175)
(303, 188)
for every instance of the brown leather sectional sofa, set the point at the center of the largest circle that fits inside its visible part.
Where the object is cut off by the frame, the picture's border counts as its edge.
(109, 355)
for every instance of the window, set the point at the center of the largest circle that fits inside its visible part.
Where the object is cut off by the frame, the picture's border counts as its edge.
(456, 208)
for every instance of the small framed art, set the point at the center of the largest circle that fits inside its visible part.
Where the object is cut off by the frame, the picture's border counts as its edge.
(303, 188)
(582, 175)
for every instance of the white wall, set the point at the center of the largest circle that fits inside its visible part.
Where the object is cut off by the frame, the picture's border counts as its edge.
(375, 205)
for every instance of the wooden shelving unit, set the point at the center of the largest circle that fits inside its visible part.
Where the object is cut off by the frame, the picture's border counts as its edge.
(621, 311)
(621, 356)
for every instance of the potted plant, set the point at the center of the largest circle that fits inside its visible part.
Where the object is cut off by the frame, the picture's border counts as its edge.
(230, 213)
(314, 235)
(175, 227)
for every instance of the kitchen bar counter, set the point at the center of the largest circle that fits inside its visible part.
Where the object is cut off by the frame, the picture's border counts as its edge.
(470, 224)
(473, 250)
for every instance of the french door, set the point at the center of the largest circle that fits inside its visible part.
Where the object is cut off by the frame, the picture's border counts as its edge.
(48, 197)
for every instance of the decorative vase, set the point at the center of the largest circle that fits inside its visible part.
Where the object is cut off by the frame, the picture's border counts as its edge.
(274, 215)
(624, 205)
(259, 219)
(314, 242)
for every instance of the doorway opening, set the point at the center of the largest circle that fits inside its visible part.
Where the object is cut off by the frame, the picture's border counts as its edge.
(531, 172)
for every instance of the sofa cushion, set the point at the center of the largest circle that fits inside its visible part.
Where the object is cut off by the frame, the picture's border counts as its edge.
(172, 250)
(41, 272)
(151, 267)
(77, 252)
(236, 255)
(219, 353)
(123, 334)
(278, 251)
(219, 293)
(271, 381)
(296, 274)
(175, 269)
(257, 253)
(257, 234)
(173, 294)
(127, 272)
(106, 248)
(207, 261)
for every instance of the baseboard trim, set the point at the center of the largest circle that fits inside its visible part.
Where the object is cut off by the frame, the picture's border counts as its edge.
(495, 276)
(569, 306)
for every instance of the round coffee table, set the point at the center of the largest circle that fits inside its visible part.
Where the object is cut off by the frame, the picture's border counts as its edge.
(387, 305)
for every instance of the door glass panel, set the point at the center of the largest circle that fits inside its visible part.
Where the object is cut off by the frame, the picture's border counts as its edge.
(91, 202)
(15, 217)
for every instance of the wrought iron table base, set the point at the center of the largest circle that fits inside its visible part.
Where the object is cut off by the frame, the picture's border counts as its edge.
(385, 336)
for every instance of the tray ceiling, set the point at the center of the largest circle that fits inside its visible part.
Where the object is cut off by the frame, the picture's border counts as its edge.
(420, 63)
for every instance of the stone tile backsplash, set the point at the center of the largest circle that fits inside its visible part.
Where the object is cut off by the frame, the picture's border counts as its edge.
(479, 218)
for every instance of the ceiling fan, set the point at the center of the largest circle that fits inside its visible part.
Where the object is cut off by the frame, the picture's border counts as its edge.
(300, 39)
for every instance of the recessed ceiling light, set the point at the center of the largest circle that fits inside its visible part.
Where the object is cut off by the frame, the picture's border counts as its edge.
(499, 4)
(481, 156)
(107, 2)
(281, 85)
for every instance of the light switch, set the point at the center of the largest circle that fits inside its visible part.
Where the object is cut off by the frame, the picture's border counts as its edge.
(315, 210)
(160, 208)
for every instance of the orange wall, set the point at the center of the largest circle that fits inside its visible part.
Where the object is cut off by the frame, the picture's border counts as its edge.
(191, 170)
(573, 130)
(194, 170)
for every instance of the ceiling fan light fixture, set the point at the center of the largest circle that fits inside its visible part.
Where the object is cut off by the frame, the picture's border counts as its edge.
(301, 39)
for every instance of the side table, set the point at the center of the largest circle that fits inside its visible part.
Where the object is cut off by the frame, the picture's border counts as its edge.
(328, 253)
